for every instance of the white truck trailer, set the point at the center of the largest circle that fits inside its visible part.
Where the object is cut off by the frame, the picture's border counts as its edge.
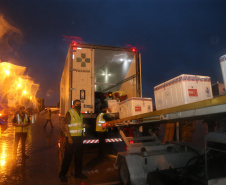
(92, 68)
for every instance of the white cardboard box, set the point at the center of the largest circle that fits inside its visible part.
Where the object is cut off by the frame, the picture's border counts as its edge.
(181, 90)
(135, 106)
(113, 105)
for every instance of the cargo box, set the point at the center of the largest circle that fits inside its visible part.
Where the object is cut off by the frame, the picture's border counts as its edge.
(181, 90)
(113, 105)
(135, 106)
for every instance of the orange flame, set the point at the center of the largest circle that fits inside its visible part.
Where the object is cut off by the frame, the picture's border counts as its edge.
(16, 87)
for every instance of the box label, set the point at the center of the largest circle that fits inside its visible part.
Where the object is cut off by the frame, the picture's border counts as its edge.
(137, 108)
(192, 92)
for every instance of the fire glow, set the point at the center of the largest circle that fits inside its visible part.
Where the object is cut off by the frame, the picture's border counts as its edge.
(18, 88)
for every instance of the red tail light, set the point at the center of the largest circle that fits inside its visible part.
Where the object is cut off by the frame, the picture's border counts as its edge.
(131, 142)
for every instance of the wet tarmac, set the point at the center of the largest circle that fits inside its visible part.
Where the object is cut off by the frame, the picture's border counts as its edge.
(45, 148)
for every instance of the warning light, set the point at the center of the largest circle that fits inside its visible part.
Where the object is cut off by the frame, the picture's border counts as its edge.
(131, 142)
(74, 43)
(134, 50)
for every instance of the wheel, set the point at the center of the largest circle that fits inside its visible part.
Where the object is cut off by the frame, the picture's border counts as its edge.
(154, 178)
(124, 173)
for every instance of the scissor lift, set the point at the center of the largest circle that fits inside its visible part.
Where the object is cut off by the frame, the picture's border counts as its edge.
(143, 157)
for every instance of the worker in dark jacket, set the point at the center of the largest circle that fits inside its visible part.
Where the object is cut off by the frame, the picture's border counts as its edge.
(74, 142)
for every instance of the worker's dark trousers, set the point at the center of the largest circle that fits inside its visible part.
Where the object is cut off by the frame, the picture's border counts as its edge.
(48, 120)
(76, 150)
(23, 137)
(102, 145)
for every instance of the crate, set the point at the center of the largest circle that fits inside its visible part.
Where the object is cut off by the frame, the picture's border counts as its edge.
(135, 106)
(113, 105)
(182, 90)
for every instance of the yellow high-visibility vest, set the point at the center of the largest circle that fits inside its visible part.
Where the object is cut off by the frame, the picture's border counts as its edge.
(76, 125)
(19, 121)
(48, 115)
(100, 122)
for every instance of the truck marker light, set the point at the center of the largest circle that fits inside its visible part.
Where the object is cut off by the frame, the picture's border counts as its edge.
(134, 50)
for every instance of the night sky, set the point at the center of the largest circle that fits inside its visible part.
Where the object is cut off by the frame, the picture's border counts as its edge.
(173, 36)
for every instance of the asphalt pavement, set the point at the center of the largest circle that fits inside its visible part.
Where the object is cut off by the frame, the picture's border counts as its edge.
(45, 150)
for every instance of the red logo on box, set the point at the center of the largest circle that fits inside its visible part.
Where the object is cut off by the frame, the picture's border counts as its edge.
(137, 108)
(192, 92)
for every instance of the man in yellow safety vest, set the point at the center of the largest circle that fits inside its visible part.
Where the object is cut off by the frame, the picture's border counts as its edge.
(48, 118)
(74, 142)
(21, 122)
(101, 130)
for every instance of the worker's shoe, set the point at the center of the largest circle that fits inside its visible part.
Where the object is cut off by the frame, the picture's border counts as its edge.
(81, 176)
(63, 178)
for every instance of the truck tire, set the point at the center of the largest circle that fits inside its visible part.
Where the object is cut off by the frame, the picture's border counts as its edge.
(124, 173)
(154, 179)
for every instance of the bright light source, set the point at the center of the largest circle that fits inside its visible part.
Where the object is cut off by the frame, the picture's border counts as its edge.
(133, 49)
(121, 59)
(79, 48)
(103, 74)
(19, 85)
(24, 92)
(109, 74)
(7, 72)
(129, 60)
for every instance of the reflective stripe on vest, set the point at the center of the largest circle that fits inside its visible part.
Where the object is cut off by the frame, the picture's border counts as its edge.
(99, 122)
(75, 131)
(76, 125)
(19, 121)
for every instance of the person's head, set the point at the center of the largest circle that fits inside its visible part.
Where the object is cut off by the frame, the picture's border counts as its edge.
(22, 110)
(77, 105)
(105, 95)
